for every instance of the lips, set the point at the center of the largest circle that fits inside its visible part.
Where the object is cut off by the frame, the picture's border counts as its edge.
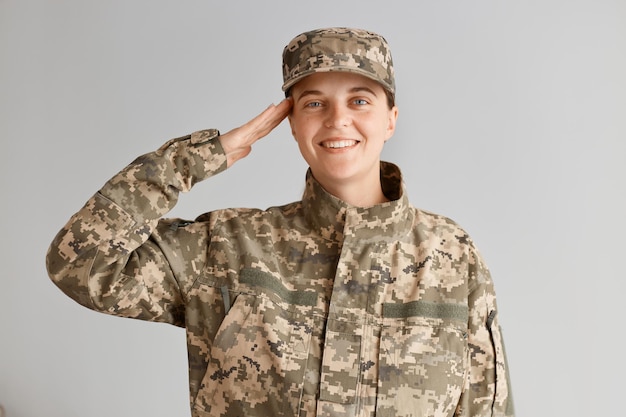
(339, 144)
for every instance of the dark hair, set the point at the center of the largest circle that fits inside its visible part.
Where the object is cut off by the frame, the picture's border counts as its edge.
(391, 99)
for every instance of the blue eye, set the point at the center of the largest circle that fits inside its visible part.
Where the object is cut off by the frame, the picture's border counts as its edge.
(360, 101)
(314, 104)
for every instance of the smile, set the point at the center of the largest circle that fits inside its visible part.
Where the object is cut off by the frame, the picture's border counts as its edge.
(337, 144)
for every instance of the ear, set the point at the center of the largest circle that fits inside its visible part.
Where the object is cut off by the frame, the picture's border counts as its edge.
(391, 124)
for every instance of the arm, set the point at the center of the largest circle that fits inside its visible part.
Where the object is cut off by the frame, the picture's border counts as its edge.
(487, 390)
(109, 256)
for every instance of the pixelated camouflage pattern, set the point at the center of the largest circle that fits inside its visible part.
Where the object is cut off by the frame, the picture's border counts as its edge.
(338, 49)
(315, 308)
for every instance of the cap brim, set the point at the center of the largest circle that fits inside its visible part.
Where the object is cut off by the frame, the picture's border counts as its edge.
(291, 82)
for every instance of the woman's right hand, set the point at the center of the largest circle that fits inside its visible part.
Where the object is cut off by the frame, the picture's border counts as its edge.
(237, 143)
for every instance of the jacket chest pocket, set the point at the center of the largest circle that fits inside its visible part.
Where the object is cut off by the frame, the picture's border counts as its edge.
(422, 366)
(258, 361)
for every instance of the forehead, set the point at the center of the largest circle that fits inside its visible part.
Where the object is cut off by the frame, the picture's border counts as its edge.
(335, 81)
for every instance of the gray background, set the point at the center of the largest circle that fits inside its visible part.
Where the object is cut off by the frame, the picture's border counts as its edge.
(512, 122)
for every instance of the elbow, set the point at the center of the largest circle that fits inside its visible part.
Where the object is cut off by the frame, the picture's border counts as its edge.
(68, 275)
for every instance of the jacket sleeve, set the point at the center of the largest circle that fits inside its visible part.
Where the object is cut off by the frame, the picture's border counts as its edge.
(109, 257)
(487, 390)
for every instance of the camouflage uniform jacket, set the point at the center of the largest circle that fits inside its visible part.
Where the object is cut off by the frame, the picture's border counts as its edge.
(315, 308)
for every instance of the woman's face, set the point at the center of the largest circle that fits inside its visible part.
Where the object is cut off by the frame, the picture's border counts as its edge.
(341, 121)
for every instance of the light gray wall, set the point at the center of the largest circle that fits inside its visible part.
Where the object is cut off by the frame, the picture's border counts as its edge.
(512, 122)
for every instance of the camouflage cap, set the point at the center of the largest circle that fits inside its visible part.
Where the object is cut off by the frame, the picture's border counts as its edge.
(338, 49)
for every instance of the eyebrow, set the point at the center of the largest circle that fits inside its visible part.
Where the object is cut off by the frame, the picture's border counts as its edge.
(352, 90)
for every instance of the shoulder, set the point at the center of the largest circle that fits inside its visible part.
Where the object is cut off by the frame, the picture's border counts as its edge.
(240, 216)
(428, 225)
(436, 222)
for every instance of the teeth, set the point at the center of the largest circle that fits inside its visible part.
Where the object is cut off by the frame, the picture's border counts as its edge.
(339, 144)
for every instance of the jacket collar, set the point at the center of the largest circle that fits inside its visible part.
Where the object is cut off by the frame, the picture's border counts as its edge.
(337, 220)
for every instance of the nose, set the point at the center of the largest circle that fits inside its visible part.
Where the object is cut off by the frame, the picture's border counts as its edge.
(338, 116)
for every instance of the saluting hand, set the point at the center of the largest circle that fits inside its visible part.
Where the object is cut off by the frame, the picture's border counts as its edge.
(237, 143)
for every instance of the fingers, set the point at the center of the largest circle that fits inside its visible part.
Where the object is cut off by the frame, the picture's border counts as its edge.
(237, 143)
(271, 117)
